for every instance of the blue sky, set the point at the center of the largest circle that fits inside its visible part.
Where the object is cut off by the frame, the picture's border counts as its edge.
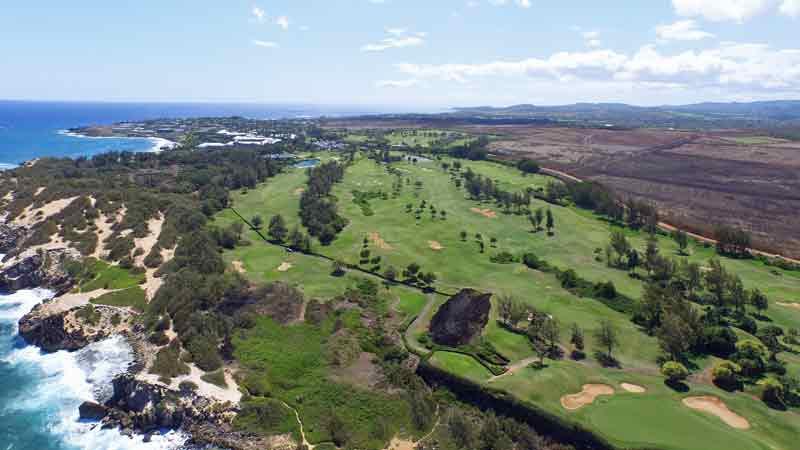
(409, 53)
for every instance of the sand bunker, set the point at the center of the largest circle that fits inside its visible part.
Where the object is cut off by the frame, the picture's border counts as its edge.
(401, 444)
(285, 267)
(376, 239)
(239, 267)
(299, 191)
(434, 245)
(586, 396)
(717, 407)
(789, 305)
(484, 212)
(635, 388)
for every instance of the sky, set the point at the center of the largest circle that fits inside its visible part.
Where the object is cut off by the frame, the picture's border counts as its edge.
(406, 53)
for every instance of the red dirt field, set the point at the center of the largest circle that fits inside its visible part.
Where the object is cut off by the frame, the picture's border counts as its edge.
(698, 179)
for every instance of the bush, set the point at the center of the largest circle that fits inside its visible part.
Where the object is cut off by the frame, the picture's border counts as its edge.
(217, 378)
(187, 386)
(726, 374)
(257, 385)
(205, 354)
(533, 261)
(719, 341)
(674, 371)
(772, 392)
(606, 290)
(503, 258)
(158, 338)
(167, 363)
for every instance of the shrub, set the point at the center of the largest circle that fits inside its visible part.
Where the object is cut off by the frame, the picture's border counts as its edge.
(674, 371)
(187, 386)
(216, 378)
(167, 363)
(503, 258)
(726, 374)
(772, 391)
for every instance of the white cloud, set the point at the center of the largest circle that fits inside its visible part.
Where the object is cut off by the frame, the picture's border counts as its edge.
(594, 43)
(397, 83)
(265, 44)
(734, 10)
(521, 3)
(682, 30)
(282, 22)
(790, 8)
(259, 14)
(401, 42)
(591, 34)
(729, 66)
(398, 38)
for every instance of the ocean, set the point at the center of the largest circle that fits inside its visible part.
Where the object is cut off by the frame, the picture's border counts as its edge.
(40, 392)
(35, 129)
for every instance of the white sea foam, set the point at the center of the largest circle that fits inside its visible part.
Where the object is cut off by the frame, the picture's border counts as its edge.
(65, 380)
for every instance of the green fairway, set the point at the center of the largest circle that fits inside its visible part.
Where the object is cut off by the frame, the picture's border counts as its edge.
(463, 365)
(108, 276)
(433, 240)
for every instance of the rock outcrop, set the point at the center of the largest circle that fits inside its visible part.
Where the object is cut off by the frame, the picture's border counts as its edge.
(461, 318)
(34, 269)
(10, 237)
(72, 329)
(140, 407)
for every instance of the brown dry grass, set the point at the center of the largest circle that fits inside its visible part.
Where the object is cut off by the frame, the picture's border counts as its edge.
(378, 241)
(484, 212)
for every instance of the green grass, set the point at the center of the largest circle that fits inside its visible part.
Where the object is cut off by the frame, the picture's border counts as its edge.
(132, 297)
(110, 277)
(656, 418)
(459, 264)
(268, 417)
(292, 359)
(754, 140)
(463, 365)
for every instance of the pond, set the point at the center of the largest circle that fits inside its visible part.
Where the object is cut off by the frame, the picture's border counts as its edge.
(307, 163)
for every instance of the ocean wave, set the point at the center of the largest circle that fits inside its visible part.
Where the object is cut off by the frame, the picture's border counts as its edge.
(63, 380)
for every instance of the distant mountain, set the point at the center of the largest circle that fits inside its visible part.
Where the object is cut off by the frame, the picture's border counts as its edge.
(779, 113)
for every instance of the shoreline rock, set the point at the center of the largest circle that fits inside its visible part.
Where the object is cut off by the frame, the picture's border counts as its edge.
(40, 269)
(73, 329)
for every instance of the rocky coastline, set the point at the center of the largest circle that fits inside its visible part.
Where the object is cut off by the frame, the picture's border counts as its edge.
(136, 406)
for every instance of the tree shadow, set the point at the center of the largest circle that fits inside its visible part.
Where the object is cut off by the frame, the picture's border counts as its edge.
(677, 386)
(607, 360)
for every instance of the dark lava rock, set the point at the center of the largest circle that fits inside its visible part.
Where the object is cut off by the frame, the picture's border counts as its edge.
(461, 318)
(92, 411)
(45, 269)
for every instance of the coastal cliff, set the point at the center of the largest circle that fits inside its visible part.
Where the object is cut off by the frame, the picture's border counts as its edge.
(39, 269)
(72, 329)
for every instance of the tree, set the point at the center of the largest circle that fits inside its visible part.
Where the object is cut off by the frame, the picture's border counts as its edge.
(390, 273)
(256, 222)
(551, 334)
(277, 228)
(538, 217)
(682, 239)
(428, 278)
(606, 337)
(716, 280)
(337, 268)
(633, 260)
(550, 222)
(651, 253)
(463, 235)
(493, 241)
(620, 245)
(674, 336)
(759, 301)
(296, 239)
(576, 338)
(462, 430)
(674, 371)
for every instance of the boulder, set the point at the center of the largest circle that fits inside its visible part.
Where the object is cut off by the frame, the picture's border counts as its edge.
(92, 411)
(461, 318)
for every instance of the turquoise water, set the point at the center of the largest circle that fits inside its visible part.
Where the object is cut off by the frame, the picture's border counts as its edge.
(306, 164)
(40, 393)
